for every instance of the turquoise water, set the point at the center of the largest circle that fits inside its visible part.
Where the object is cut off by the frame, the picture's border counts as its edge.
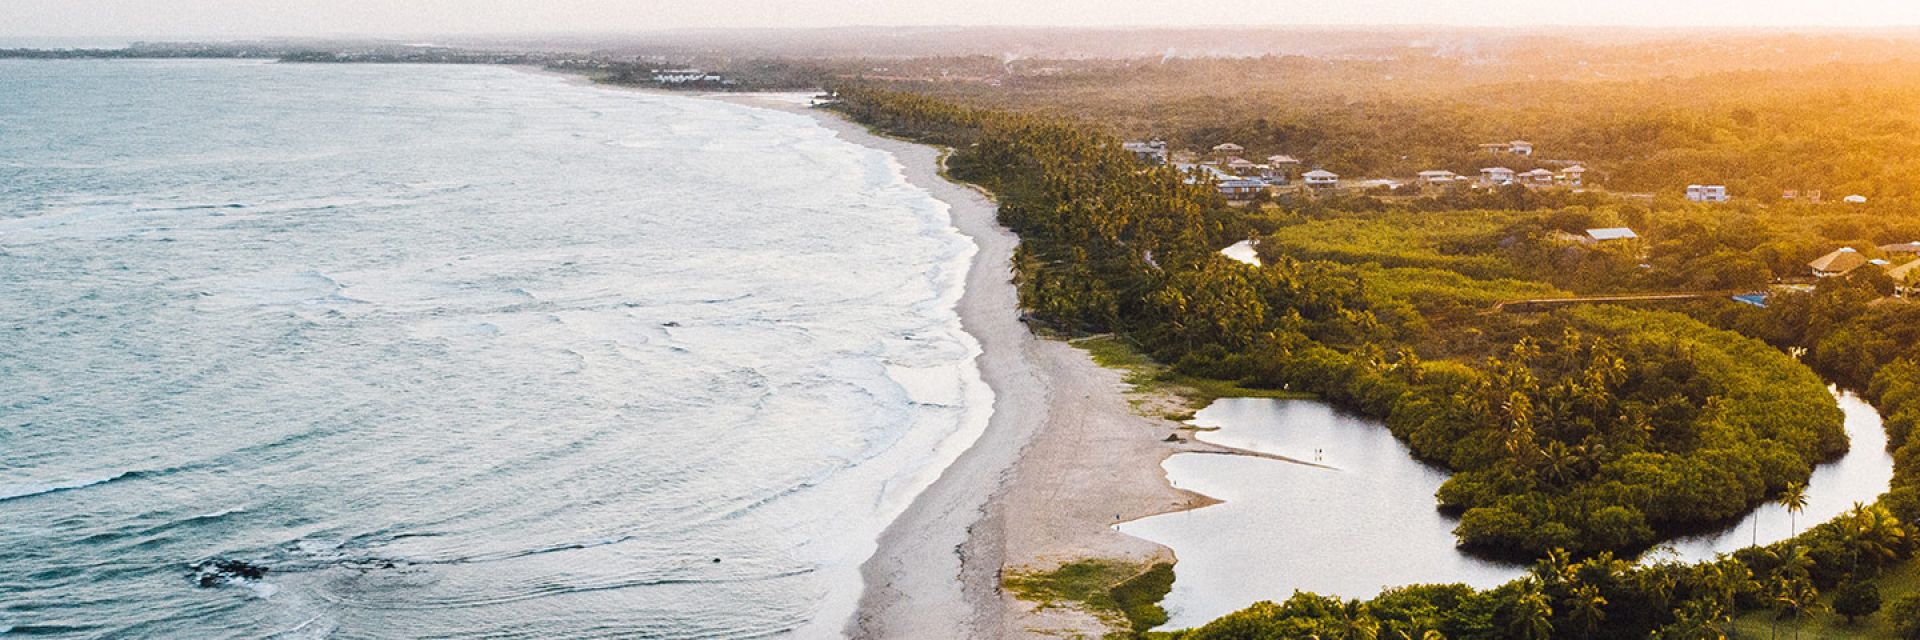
(453, 351)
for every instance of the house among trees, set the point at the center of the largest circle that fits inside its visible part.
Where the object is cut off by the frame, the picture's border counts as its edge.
(1706, 193)
(1437, 177)
(1516, 147)
(1227, 149)
(1282, 168)
(1496, 176)
(1322, 179)
(1240, 189)
(1855, 199)
(1151, 152)
(1906, 278)
(1241, 166)
(1537, 178)
(1611, 234)
(1902, 249)
(1573, 176)
(1841, 262)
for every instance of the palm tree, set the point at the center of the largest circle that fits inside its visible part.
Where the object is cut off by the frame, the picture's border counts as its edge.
(1587, 608)
(1532, 615)
(1802, 600)
(1794, 498)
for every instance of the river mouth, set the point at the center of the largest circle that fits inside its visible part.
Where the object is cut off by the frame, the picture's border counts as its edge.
(1368, 521)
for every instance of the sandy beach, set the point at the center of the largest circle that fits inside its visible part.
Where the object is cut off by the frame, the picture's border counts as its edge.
(1063, 459)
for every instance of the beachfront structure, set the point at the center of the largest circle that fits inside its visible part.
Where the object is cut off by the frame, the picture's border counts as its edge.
(1841, 262)
(1611, 234)
(1902, 249)
(1573, 176)
(1321, 179)
(1437, 177)
(683, 76)
(1496, 176)
(1706, 193)
(1151, 152)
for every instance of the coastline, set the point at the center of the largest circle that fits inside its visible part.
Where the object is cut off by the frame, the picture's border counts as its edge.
(1065, 457)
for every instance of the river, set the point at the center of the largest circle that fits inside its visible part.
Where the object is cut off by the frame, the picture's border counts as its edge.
(1369, 521)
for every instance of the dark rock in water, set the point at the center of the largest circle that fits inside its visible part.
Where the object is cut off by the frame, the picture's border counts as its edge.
(213, 573)
(716, 561)
(669, 324)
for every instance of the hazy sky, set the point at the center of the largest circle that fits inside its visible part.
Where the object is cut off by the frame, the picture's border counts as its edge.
(187, 18)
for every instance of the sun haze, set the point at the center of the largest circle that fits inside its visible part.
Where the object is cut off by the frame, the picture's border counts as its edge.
(200, 18)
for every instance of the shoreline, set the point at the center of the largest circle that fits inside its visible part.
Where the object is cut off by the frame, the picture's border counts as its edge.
(1065, 455)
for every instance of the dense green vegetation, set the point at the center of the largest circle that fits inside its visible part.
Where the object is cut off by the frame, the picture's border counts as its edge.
(1574, 434)
(1833, 124)
(1128, 596)
(1589, 431)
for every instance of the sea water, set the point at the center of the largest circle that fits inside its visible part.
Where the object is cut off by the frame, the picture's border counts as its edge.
(454, 351)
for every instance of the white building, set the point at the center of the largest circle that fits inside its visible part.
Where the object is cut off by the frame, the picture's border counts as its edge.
(1707, 193)
(1152, 152)
(1321, 178)
(1520, 148)
(1536, 178)
(1611, 234)
(1437, 177)
(1496, 176)
(1574, 176)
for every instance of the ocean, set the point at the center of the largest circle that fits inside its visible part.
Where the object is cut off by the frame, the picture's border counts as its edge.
(454, 352)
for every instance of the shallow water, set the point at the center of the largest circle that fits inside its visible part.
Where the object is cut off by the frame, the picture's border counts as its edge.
(1366, 523)
(1370, 521)
(455, 351)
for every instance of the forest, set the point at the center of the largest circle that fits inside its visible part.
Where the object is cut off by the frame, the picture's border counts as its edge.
(1578, 437)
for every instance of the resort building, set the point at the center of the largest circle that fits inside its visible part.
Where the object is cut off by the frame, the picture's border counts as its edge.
(1151, 152)
(1573, 176)
(1839, 263)
(1322, 179)
(1496, 176)
(1706, 193)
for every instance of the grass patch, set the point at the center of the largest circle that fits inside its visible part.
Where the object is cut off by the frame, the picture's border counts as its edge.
(1898, 582)
(1150, 377)
(1120, 594)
